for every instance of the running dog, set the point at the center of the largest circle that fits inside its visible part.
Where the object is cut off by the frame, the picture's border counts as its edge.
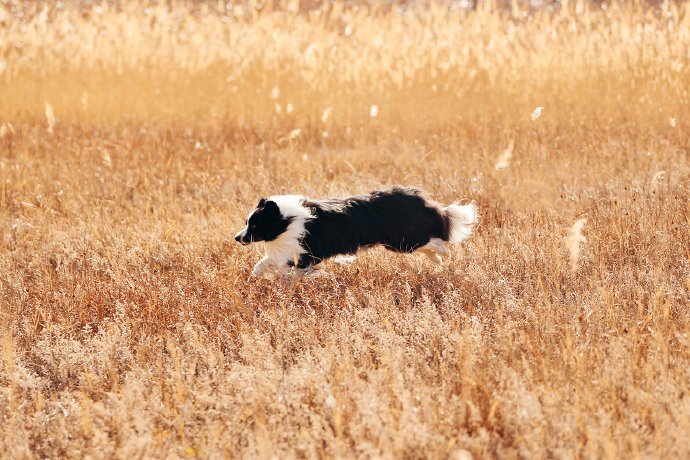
(299, 233)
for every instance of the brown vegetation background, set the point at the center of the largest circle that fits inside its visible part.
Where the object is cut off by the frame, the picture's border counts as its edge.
(135, 137)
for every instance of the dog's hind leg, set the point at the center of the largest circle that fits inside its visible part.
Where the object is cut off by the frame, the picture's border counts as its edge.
(438, 246)
(434, 249)
(431, 255)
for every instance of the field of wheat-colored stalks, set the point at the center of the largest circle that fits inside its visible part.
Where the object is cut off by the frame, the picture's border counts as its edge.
(136, 136)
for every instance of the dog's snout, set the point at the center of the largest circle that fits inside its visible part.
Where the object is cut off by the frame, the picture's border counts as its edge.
(241, 238)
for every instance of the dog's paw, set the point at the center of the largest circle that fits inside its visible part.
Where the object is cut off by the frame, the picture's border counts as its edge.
(265, 274)
(260, 269)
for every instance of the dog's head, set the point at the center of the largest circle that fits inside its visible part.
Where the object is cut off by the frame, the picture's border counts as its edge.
(265, 223)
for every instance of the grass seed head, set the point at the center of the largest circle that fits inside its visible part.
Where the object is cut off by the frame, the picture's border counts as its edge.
(504, 159)
(50, 117)
(657, 180)
(536, 113)
(574, 241)
(326, 114)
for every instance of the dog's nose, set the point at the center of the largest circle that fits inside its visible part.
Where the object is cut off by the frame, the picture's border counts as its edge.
(237, 238)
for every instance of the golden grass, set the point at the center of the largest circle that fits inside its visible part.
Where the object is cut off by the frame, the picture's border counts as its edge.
(134, 139)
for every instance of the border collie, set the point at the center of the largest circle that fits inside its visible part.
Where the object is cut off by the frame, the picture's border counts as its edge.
(299, 233)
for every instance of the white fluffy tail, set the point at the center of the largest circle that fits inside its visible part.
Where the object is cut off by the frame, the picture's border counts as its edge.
(461, 220)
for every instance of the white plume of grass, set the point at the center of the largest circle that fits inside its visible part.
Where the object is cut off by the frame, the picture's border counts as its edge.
(504, 159)
(657, 180)
(6, 129)
(107, 161)
(537, 113)
(574, 240)
(50, 117)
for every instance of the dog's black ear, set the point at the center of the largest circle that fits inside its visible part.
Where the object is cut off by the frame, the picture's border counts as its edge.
(262, 202)
(271, 206)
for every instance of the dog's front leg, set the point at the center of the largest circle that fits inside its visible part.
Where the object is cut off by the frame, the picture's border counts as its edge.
(261, 266)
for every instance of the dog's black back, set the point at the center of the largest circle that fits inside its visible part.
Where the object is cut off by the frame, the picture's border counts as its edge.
(401, 219)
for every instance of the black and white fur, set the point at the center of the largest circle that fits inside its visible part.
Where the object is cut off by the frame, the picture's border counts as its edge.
(300, 232)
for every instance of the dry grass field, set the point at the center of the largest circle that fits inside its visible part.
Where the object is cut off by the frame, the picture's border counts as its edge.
(135, 137)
